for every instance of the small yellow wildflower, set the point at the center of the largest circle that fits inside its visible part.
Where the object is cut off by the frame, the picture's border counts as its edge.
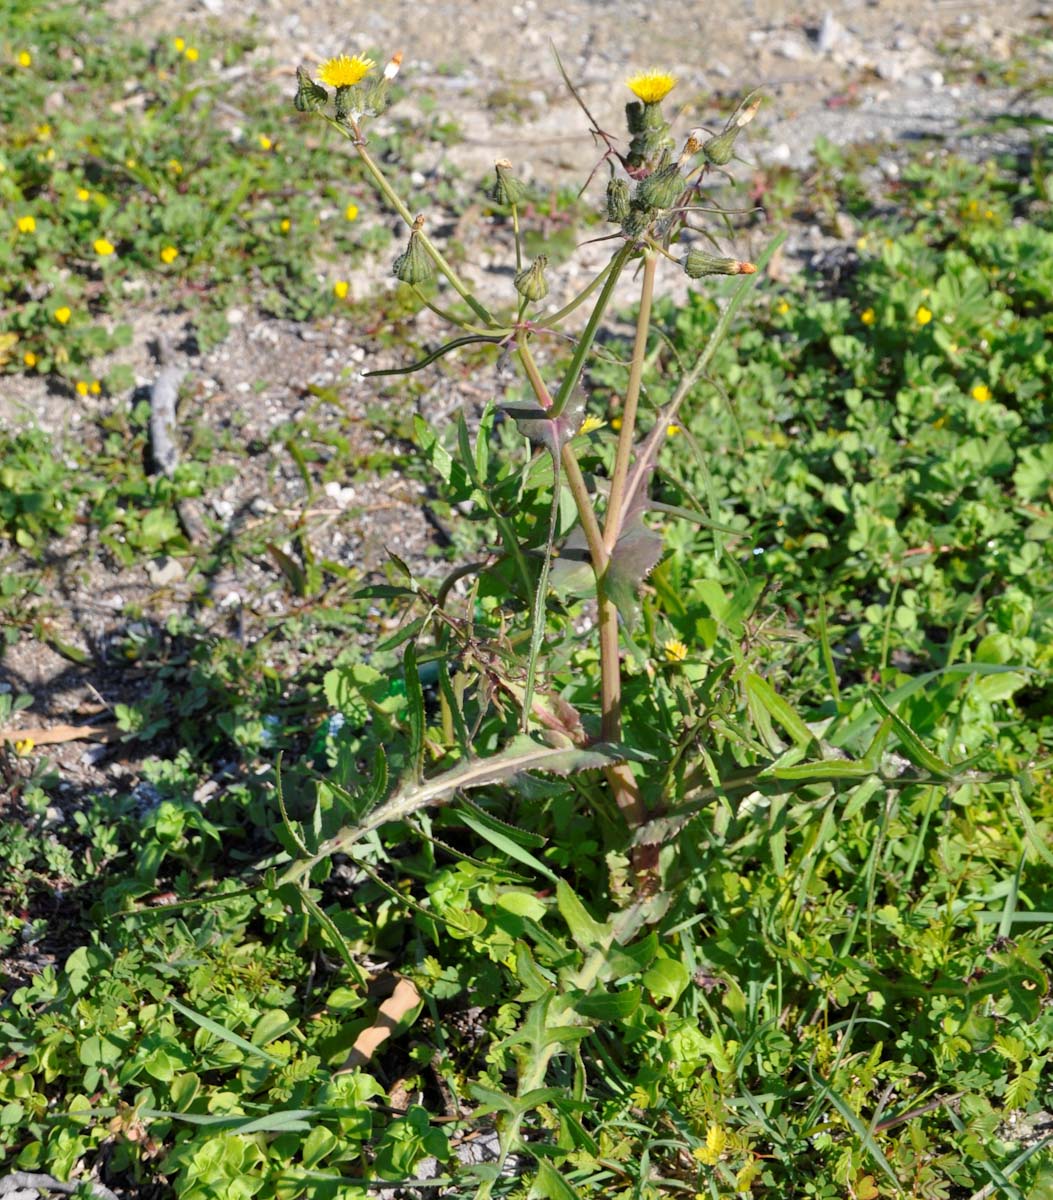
(286, 225)
(981, 393)
(265, 142)
(169, 254)
(180, 45)
(82, 387)
(868, 316)
(782, 308)
(862, 243)
(63, 314)
(672, 430)
(24, 746)
(30, 359)
(83, 194)
(26, 224)
(344, 71)
(591, 424)
(175, 166)
(96, 387)
(25, 59)
(191, 54)
(923, 316)
(651, 86)
(988, 213)
(616, 423)
(675, 651)
(43, 132)
(351, 212)
(716, 1141)
(340, 289)
(103, 248)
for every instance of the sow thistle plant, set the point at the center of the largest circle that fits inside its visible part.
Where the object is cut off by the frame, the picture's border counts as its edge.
(653, 198)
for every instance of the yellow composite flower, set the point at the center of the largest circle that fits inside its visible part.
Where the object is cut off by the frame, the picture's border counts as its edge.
(24, 746)
(351, 212)
(25, 59)
(923, 316)
(169, 254)
(26, 224)
(265, 142)
(29, 358)
(83, 194)
(82, 387)
(344, 71)
(285, 225)
(981, 393)
(591, 423)
(180, 45)
(651, 86)
(340, 289)
(191, 54)
(63, 314)
(103, 248)
(868, 316)
(675, 651)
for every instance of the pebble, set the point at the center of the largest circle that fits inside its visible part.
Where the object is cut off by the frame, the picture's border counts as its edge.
(164, 571)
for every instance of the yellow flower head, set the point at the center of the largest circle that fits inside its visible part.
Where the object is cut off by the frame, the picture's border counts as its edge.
(29, 358)
(265, 142)
(180, 45)
(672, 430)
(103, 248)
(616, 423)
(351, 212)
(82, 387)
(83, 194)
(191, 54)
(169, 255)
(285, 225)
(782, 308)
(675, 651)
(25, 59)
(26, 224)
(24, 746)
(651, 86)
(591, 423)
(96, 387)
(340, 289)
(981, 393)
(344, 71)
(63, 314)
(868, 316)
(923, 316)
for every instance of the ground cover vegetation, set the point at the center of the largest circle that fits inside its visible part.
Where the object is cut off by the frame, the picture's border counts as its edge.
(751, 896)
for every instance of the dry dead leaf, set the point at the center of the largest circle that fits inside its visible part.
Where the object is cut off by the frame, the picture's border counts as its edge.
(404, 998)
(54, 734)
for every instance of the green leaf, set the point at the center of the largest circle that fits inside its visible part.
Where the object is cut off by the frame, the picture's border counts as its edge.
(500, 838)
(609, 1006)
(224, 1034)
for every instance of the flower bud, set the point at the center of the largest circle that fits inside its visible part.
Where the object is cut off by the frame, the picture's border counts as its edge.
(638, 220)
(648, 146)
(310, 96)
(506, 188)
(414, 265)
(661, 189)
(531, 283)
(617, 200)
(719, 148)
(634, 117)
(699, 263)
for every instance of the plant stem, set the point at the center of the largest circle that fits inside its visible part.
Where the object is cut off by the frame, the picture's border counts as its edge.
(395, 201)
(577, 363)
(613, 525)
(532, 373)
(555, 318)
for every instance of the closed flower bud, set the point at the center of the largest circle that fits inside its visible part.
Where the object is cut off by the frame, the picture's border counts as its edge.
(719, 148)
(647, 147)
(699, 263)
(661, 189)
(638, 220)
(617, 200)
(414, 265)
(531, 283)
(506, 188)
(310, 96)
